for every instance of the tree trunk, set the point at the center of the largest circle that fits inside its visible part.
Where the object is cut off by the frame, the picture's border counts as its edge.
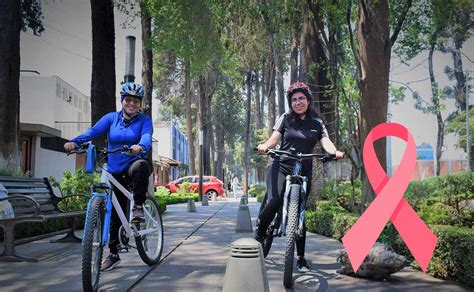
(271, 96)
(258, 107)
(9, 86)
(461, 93)
(189, 119)
(220, 152)
(295, 44)
(374, 47)
(103, 62)
(309, 60)
(436, 105)
(248, 82)
(264, 86)
(204, 123)
(212, 151)
(147, 62)
(279, 78)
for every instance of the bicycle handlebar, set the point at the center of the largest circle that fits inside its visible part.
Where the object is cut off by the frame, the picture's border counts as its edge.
(83, 149)
(298, 156)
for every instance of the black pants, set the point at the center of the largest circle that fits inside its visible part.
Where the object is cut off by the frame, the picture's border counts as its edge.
(135, 178)
(276, 183)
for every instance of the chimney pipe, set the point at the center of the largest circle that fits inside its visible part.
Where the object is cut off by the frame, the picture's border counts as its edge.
(129, 59)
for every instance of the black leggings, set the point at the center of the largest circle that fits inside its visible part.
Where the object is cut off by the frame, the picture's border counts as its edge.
(136, 179)
(276, 183)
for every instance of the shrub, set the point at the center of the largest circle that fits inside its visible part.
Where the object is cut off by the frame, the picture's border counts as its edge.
(256, 190)
(453, 257)
(320, 222)
(185, 189)
(176, 198)
(260, 198)
(342, 193)
(162, 191)
(436, 214)
(76, 183)
(342, 223)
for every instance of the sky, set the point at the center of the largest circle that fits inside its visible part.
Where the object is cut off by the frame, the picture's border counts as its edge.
(65, 50)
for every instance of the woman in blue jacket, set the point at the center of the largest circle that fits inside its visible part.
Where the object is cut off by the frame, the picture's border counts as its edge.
(125, 127)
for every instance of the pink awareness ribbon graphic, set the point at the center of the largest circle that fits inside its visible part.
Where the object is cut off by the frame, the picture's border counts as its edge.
(389, 203)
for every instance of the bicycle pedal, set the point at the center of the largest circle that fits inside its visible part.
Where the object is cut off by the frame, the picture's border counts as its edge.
(123, 249)
(138, 220)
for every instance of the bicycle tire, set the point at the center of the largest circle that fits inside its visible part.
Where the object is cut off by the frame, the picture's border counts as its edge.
(92, 248)
(291, 227)
(145, 243)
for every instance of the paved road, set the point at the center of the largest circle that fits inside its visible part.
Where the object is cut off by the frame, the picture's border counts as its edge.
(197, 247)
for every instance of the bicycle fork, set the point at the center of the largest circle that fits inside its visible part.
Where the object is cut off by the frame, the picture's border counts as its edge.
(302, 200)
(285, 206)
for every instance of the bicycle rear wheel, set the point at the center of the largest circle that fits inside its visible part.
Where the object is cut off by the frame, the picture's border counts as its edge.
(291, 228)
(92, 247)
(150, 245)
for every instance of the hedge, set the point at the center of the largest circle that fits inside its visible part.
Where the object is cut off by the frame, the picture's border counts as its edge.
(176, 198)
(453, 257)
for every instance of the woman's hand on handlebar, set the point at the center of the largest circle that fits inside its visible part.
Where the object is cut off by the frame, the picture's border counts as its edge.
(262, 148)
(135, 149)
(339, 154)
(70, 146)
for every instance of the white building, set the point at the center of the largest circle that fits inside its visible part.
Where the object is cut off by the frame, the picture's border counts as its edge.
(52, 112)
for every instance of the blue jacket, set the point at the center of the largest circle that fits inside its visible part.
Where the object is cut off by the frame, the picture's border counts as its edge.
(139, 131)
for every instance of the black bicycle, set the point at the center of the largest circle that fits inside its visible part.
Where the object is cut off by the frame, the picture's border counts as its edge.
(290, 218)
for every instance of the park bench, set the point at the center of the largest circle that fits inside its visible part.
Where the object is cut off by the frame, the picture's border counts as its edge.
(33, 200)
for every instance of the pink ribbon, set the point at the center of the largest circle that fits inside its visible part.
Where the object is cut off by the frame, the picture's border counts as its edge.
(389, 204)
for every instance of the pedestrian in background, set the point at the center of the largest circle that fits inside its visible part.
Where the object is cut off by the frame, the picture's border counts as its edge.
(235, 185)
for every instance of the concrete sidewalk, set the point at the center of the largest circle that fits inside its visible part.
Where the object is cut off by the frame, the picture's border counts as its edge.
(197, 246)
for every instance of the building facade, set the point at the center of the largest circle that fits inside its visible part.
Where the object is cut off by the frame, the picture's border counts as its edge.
(170, 152)
(52, 111)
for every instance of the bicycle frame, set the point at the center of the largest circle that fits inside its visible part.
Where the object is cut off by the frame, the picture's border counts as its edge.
(302, 199)
(111, 201)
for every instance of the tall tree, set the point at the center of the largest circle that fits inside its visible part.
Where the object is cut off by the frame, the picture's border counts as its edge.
(103, 81)
(248, 85)
(375, 43)
(147, 60)
(14, 16)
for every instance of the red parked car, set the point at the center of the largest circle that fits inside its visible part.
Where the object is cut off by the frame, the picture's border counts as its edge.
(211, 185)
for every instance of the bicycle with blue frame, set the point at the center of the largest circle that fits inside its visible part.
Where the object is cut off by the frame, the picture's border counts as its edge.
(289, 220)
(148, 233)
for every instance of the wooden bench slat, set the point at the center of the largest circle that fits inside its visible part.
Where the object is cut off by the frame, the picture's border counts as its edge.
(27, 191)
(8, 185)
(21, 179)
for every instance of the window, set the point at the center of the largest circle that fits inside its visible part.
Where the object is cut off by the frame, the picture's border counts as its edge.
(58, 90)
(64, 93)
(75, 100)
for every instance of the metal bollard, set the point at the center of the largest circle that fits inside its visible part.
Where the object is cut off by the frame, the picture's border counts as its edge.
(244, 222)
(205, 200)
(245, 269)
(191, 206)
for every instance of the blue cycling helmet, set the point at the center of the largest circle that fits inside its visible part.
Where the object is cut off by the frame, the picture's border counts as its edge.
(132, 89)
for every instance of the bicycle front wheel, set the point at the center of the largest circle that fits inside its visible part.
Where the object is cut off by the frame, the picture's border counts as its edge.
(150, 245)
(92, 248)
(291, 227)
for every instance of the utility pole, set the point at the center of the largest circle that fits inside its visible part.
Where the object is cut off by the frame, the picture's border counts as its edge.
(201, 164)
(468, 138)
